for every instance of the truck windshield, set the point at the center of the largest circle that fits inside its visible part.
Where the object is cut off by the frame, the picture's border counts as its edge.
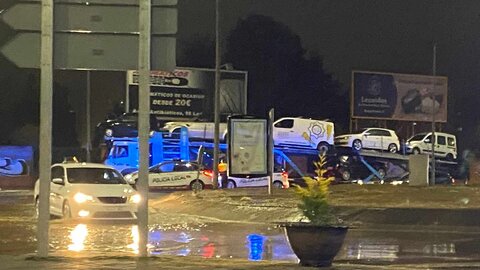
(94, 176)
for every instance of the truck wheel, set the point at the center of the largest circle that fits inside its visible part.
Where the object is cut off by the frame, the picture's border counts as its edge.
(416, 151)
(449, 157)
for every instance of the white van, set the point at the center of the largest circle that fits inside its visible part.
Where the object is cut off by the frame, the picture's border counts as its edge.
(293, 131)
(296, 131)
(445, 146)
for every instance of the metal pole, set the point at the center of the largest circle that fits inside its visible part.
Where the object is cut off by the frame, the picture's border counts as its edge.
(143, 122)
(434, 69)
(271, 159)
(217, 96)
(89, 140)
(45, 157)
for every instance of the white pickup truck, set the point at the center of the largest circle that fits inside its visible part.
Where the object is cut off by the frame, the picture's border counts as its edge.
(287, 131)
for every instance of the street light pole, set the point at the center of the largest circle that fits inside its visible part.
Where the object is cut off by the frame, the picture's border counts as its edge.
(433, 140)
(45, 157)
(216, 147)
(144, 65)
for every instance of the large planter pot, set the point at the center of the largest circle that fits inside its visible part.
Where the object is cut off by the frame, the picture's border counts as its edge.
(315, 245)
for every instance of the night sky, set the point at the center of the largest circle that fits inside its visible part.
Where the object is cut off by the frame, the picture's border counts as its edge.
(376, 35)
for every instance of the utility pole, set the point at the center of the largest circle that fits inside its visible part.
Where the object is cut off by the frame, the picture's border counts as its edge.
(145, 13)
(216, 140)
(45, 157)
(433, 140)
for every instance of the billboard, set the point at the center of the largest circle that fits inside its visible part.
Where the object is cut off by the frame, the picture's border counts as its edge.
(394, 96)
(15, 160)
(188, 93)
(247, 146)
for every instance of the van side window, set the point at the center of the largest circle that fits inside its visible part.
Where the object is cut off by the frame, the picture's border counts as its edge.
(451, 141)
(441, 140)
(287, 123)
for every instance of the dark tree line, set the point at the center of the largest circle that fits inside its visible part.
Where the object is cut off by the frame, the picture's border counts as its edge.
(280, 74)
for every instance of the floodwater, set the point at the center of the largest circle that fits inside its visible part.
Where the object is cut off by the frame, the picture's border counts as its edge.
(227, 240)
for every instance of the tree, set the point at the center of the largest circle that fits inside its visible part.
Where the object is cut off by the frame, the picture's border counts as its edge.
(199, 51)
(280, 75)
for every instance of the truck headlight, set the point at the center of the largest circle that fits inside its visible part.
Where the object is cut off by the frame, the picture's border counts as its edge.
(81, 198)
(108, 132)
(136, 198)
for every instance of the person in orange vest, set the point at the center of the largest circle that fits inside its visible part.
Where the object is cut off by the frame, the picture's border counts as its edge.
(222, 170)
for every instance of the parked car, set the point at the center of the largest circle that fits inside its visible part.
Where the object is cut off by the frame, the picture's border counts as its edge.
(351, 168)
(175, 174)
(89, 190)
(445, 145)
(371, 138)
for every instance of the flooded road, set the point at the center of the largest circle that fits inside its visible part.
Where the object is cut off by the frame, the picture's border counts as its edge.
(230, 240)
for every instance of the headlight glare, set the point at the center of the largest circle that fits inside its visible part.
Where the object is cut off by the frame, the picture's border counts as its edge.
(135, 198)
(81, 198)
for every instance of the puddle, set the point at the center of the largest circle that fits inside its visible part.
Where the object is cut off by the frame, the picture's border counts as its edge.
(260, 242)
(244, 241)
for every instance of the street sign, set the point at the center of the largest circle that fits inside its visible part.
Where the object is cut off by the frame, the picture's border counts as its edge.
(108, 2)
(90, 51)
(96, 34)
(99, 19)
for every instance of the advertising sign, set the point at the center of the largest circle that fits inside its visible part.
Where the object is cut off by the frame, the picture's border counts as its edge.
(399, 96)
(15, 160)
(247, 149)
(189, 93)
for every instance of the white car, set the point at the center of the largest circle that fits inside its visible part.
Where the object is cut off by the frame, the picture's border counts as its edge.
(280, 180)
(175, 174)
(197, 130)
(371, 138)
(89, 190)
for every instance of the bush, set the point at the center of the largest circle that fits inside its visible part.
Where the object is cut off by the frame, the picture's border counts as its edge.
(314, 197)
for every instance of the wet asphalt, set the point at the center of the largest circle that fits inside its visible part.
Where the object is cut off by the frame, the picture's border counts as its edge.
(377, 245)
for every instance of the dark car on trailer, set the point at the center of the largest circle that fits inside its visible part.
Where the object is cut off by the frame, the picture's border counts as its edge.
(123, 126)
(351, 167)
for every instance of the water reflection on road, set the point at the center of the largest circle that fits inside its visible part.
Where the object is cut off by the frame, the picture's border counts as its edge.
(259, 242)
